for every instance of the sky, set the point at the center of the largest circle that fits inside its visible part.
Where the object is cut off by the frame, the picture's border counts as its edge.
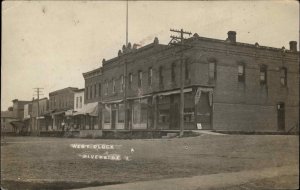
(49, 44)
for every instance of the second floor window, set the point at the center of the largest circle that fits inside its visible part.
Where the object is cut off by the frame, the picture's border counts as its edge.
(77, 102)
(212, 70)
(283, 76)
(150, 76)
(130, 80)
(99, 89)
(241, 73)
(106, 88)
(91, 92)
(122, 83)
(140, 79)
(187, 71)
(173, 72)
(161, 79)
(263, 75)
(114, 86)
(80, 102)
(87, 92)
(95, 90)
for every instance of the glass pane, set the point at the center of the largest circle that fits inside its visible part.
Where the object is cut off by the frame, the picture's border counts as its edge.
(121, 113)
(241, 69)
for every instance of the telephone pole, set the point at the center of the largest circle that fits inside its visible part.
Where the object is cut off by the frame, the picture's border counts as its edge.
(38, 92)
(179, 41)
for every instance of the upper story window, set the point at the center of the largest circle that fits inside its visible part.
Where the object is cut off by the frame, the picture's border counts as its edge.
(241, 73)
(150, 74)
(87, 92)
(140, 79)
(263, 74)
(99, 89)
(95, 90)
(80, 102)
(161, 79)
(283, 76)
(130, 80)
(187, 70)
(212, 70)
(77, 102)
(91, 92)
(114, 85)
(106, 88)
(122, 83)
(173, 67)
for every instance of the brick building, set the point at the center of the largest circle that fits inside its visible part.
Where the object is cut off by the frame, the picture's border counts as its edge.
(228, 86)
(60, 101)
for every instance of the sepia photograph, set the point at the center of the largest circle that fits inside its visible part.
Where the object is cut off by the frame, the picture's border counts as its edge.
(150, 95)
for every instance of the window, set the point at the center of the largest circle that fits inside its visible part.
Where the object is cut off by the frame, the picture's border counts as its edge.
(241, 73)
(106, 114)
(283, 76)
(114, 86)
(99, 89)
(80, 104)
(87, 92)
(130, 80)
(187, 71)
(95, 90)
(150, 76)
(121, 113)
(122, 83)
(106, 88)
(161, 75)
(140, 78)
(91, 92)
(212, 70)
(173, 72)
(77, 102)
(263, 75)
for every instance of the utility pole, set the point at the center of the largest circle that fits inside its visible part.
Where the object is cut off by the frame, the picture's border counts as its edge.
(126, 124)
(179, 41)
(38, 92)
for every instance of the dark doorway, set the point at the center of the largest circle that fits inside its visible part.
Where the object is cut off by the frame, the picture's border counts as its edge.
(113, 119)
(281, 117)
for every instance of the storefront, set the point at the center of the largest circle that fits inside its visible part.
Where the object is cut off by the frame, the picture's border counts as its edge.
(113, 114)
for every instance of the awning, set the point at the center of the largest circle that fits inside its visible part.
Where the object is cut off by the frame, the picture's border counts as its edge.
(58, 113)
(18, 124)
(113, 101)
(88, 109)
(139, 97)
(174, 92)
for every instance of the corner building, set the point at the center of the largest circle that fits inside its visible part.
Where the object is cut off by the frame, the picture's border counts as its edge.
(228, 86)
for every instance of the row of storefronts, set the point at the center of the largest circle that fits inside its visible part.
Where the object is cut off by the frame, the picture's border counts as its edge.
(159, 111)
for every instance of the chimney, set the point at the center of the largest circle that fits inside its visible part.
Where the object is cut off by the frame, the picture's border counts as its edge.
(293, 46)
(231, 36)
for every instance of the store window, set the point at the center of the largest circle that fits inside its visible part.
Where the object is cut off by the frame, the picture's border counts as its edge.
(121, 113)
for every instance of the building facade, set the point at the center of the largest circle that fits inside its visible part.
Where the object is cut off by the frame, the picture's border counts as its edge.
(228, 86)
(60, 102)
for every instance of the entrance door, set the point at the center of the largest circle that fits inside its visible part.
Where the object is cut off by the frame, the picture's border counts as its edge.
(280, 117)
(113, 119)
(174, 112)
